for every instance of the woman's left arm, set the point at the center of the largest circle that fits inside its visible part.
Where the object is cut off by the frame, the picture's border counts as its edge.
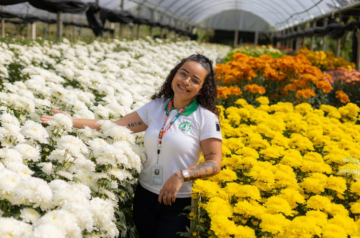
(212, 153)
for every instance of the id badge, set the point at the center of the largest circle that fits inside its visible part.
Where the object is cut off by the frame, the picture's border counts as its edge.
(157, 174)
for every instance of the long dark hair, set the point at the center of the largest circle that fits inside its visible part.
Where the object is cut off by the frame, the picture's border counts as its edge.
(208, 92)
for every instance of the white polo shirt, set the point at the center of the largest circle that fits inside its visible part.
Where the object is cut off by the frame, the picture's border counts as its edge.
(180, 144)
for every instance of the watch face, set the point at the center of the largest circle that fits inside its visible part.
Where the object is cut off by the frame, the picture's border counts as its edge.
(185, 173)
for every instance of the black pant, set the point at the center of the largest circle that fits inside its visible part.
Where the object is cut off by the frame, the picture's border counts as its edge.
(155, 220)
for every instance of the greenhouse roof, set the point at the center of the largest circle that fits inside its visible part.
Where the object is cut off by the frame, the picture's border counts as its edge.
(245, 15)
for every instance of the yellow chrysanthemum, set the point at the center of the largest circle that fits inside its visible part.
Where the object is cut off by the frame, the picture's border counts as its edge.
(263, 100)
(275, 224)
(205, 187)
(318, 202)
(304, 226)
(244, 232)
(222, 226)
(219, 206)
(247, 209)
(277, 204)
(355, 208)
(320, 217)
(333, 231)
(337, 184)
(292, 196)
(345, 222)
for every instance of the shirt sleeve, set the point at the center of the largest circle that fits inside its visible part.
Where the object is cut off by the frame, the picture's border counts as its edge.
(144, 111)
(210, 127)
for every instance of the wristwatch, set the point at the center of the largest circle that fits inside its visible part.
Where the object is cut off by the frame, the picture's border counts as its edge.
(185, 174)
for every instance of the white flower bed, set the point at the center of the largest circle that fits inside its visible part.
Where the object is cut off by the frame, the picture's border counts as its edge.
(59, 181)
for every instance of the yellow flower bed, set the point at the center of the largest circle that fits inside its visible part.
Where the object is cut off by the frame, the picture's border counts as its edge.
(288, 171)
(325, 60)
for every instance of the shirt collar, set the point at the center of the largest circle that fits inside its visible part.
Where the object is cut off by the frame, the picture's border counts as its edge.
(188, 110)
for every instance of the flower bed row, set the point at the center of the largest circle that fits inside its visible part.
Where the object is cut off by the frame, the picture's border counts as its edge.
(65, 182)
(288, 171)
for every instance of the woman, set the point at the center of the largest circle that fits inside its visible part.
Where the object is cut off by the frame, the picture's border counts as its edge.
(186, 102)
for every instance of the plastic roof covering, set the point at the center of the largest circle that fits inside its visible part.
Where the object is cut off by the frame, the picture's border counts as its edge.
(277, 13)
(269, 15)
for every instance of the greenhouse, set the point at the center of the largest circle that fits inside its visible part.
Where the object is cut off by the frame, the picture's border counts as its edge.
(187, 118)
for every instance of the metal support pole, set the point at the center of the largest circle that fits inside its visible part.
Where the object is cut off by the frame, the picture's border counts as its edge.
(59, 26)
(28, 25)
(236, 37)
(323, 46)
(358, 50)
(72, 28)
(304, 38)
(2, 24)
(47, 29)
(278, 43)
(338, 45)
(120, 25)
(138, 26)
(256, 40)
(287, 42)
(112, 26)
(312, 45)
(161, 29)
(292, 40)
(33, 30)
(152, 18)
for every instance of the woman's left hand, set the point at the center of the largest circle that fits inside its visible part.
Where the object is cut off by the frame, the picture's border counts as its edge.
(170, 189)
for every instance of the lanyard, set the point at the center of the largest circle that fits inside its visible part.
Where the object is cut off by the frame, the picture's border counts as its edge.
(163, 131)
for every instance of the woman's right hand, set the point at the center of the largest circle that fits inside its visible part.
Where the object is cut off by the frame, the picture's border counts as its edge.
(45, 118)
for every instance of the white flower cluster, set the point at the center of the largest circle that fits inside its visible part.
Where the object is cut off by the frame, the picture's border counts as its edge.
(67, 181)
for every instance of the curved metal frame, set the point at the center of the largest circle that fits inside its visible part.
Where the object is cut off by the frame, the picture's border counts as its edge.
(193, 14)
(188, 10)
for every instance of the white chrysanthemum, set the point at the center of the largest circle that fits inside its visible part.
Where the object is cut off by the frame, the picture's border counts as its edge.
(20, 169)
(82, 213)
(36, 191)
(132, 159)
(65, 174)
(7, 118)
(29, 215)
(35, 132)
(120, 174)
(85, 164)
(46, 167)
(73, 145)
(9, 227)
(12, 133)
(81, 188)
(97, 144)
(9, 180)
(65, 193)
(28, 152)
(10, 156)
(61, 156)
(87, 177)
(62, 122)
(117, 133)
(103, 212)
(3, 72)
(48, 230)
(87, 133)
(101, 111)
(84, 113)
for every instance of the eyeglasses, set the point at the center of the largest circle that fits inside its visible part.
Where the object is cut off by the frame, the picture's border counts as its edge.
(184, 75)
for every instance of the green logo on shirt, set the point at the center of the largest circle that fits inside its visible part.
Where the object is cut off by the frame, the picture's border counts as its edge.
(185, 126)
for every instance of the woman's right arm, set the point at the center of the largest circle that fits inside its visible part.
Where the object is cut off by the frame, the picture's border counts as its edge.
(132, 121)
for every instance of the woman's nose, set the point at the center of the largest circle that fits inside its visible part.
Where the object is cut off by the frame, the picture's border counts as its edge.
(187, 80)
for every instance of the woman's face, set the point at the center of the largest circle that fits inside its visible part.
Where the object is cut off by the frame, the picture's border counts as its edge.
(188, 80)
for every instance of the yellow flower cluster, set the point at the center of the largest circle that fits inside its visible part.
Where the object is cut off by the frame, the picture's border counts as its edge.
(288, 171)
(325, 61)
